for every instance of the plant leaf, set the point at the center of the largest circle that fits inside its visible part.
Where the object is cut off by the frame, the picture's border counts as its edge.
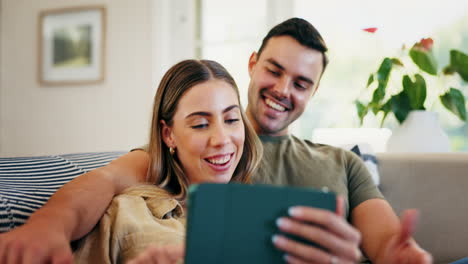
(416, 91)
(400, 106)
(361, 110)
(424, 59)
(397, 61)
(375, 107)
(378, 95)
(459, 63)
(448, 70)
(370, 80)
(383, 74)
(386, 108)
(454, 101)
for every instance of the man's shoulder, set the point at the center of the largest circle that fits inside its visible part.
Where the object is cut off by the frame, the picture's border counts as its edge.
(292, 145)
(306, 143)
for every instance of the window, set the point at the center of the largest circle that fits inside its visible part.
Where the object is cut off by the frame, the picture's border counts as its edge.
(354, 54)
(229, 33)
(230, 30)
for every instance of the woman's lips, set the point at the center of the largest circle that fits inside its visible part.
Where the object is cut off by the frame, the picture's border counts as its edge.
(220, 162)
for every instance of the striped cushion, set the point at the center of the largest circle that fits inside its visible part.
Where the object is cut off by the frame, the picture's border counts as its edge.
(26, 183)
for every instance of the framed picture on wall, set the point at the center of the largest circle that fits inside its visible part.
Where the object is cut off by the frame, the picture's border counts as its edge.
(72, 46)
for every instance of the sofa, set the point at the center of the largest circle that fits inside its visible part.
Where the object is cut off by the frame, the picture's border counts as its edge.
(26, 183)
(436, 184)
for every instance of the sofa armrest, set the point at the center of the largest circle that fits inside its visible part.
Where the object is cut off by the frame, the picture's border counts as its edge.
(437, 185)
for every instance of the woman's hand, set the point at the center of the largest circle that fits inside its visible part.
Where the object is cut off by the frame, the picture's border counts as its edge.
(168, 254)
(327, 229)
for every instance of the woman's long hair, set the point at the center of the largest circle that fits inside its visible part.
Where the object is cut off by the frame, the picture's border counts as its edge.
(165, 169)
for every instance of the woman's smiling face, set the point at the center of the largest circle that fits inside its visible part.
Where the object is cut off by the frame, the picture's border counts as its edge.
(207, 132)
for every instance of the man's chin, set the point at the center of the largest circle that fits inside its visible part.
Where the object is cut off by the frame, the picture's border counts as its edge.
(276, 130)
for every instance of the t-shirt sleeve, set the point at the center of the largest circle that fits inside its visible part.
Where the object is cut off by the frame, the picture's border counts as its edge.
(361, 187)
(144, 148)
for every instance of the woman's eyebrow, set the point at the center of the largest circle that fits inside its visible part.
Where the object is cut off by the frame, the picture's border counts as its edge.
(229, 108)
(202, 113)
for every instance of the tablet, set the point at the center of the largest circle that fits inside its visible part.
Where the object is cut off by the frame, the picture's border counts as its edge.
(234, 223)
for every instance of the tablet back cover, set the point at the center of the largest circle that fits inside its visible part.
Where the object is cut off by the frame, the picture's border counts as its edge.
(234, 223)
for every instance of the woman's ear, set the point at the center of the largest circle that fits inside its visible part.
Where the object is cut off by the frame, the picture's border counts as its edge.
(167, 135)
(252, 62)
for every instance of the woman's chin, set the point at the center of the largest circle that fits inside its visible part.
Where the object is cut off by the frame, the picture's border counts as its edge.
(215, 178)
(221, 178)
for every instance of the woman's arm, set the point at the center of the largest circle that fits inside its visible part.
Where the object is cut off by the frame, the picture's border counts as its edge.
(71, 212)
(386, 239)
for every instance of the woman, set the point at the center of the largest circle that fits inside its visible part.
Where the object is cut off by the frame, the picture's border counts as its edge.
(199, 134)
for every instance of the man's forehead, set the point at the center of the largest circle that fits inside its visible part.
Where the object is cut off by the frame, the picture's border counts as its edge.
(278, 42)
(288, 54)
(287, 46)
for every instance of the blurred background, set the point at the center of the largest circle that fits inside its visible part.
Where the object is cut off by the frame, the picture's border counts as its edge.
(145, 37)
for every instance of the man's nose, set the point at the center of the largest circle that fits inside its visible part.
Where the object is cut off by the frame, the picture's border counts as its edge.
(282, 87)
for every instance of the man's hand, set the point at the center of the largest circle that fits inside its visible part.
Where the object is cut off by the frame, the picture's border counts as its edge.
(327, 229)
(34, 244)
(401, 248)
(169, 254)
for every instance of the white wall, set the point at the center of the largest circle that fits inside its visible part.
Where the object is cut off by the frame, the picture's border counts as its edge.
(113, 115)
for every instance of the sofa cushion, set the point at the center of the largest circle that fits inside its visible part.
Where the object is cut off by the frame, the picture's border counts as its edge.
(26, 183)
(368, 156)
(435, 184)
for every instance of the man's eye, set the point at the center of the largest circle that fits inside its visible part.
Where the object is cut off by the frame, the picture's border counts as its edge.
(200, 126)
(275, 73)
(298, 85)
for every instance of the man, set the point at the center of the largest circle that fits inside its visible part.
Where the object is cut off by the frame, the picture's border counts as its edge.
(285, 73)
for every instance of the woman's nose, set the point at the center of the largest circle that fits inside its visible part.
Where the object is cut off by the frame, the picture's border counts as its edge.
(219, 136)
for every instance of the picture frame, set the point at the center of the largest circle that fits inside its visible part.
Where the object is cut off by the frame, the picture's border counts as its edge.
(71, 46)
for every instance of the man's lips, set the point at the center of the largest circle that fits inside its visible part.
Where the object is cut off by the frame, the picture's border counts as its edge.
(270, 103)
(274, 104)
(274, 101)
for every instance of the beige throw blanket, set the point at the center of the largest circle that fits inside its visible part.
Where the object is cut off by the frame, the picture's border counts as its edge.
(142, 215)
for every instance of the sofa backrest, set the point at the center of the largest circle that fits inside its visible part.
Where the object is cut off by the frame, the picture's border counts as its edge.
(437, 185)
(26, 183)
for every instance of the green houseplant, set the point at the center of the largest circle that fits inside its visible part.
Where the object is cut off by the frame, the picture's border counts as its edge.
(413, 90)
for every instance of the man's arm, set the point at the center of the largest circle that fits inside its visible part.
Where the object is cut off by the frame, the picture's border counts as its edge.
(386, 239)
(71, 212)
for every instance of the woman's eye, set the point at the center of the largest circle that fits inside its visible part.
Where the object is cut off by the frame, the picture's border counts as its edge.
(233, 120)
(200, 126)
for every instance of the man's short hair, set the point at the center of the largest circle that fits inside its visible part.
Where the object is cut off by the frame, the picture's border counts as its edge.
(303, 32)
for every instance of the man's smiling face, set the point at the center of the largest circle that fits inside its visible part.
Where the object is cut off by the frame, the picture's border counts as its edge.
(282, 80)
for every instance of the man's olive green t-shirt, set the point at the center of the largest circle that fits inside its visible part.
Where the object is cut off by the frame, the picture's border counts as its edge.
(288, 160)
